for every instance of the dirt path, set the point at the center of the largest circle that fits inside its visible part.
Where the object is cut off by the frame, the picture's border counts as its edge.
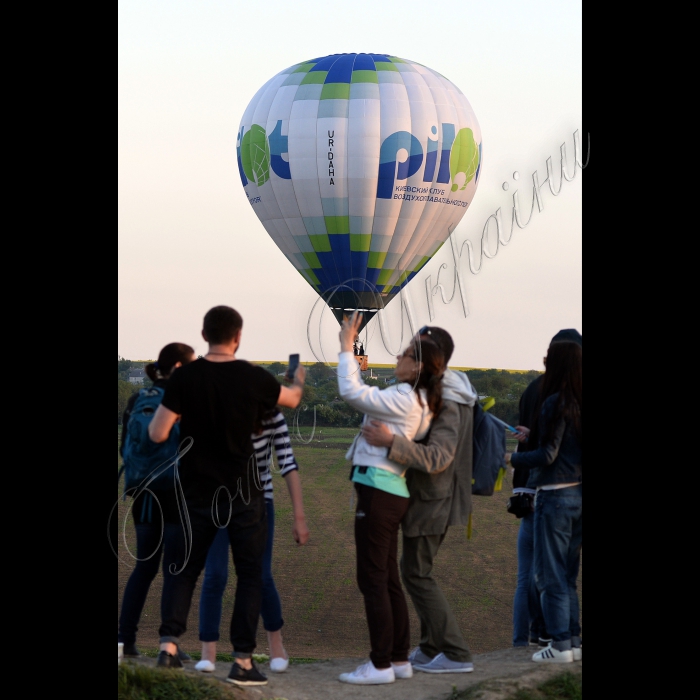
(504, 671)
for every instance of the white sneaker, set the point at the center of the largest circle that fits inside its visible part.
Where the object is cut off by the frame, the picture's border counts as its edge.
(367, 674)
(402, 670)
(278, 664)
(550, 655)
(205, 666)
(577, 653)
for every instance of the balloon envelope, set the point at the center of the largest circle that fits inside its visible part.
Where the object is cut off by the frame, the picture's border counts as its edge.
(359, 166)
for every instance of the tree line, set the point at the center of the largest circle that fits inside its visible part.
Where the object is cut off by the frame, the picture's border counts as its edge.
(321, 393)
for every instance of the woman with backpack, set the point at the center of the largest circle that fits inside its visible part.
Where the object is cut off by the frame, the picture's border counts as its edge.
(271, 430)
(556, 474)
(153, 508)
(407, 409)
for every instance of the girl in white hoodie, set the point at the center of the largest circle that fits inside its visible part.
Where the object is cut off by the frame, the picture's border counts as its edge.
(407, 408)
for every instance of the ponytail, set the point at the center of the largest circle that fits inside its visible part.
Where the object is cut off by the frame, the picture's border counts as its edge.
(430, 378)
(169, 356)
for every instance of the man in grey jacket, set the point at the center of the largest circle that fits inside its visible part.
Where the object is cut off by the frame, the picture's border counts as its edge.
(439, 482)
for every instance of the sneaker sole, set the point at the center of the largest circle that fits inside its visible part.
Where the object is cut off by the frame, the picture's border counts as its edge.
(444, 670)
(552, 660)
(236, 682)
(367, 682)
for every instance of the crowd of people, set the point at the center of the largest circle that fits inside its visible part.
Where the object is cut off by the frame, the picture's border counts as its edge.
(411, 468)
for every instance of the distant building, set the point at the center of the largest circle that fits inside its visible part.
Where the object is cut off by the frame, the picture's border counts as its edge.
(136, 376)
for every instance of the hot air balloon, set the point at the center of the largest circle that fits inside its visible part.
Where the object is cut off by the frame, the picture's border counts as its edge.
(359, 166)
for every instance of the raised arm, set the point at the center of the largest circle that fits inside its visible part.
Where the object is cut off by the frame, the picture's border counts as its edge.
(290, 397)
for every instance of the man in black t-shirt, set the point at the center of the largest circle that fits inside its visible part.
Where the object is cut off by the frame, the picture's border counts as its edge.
(217, 399)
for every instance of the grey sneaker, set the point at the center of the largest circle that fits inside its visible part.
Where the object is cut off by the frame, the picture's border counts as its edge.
(441, 664)
(418, 657)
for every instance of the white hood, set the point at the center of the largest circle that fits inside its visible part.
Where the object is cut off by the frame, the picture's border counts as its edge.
(457, 387)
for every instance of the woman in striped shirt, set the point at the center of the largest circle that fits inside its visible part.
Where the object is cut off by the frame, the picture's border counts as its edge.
(272, 435)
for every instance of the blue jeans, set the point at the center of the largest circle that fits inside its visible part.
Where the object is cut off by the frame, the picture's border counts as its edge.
(216, 577)
(528, 622)
(558, 525)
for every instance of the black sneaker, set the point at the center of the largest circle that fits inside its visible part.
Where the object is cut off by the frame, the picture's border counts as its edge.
(131, 651)
(242, 676)
(166, 660)
(183, 656)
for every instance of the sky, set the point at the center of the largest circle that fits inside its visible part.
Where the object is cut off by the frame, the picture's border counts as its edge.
(189, 240)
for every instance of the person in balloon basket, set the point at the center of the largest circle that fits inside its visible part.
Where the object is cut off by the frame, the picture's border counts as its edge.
(217, 398)
(439, 483)
(382, 495)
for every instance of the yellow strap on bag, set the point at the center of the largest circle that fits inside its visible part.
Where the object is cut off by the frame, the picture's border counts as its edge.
(489, 403)
(499, 479)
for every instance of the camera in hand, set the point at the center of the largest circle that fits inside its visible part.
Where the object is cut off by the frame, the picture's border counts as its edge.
(521, 504)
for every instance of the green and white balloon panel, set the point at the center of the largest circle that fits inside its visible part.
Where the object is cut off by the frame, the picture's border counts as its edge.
(359, 166)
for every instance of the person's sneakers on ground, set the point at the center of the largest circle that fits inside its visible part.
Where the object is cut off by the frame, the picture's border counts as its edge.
(131, 651)
(576, 648)
(205, 666)
(441, 664)
(403, 670)
(550, 655)
(279, 664)
(418, 657)
(167, 660)
(368, 674)
(182, 655)
(246, 676)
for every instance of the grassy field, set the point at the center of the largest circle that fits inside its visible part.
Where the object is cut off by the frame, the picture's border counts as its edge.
(321, 605)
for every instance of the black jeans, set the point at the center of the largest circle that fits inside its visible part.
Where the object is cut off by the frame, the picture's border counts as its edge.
(150, 541)
(247, 529)
(377, 520)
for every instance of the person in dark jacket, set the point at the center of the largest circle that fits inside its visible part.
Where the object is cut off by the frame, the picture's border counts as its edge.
(147, 509)
(528, 621)
(556, 475)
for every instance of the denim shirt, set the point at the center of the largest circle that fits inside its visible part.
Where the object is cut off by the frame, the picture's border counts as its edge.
(557, 462)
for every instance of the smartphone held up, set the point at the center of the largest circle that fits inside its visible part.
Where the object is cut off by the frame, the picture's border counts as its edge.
(292, 368)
